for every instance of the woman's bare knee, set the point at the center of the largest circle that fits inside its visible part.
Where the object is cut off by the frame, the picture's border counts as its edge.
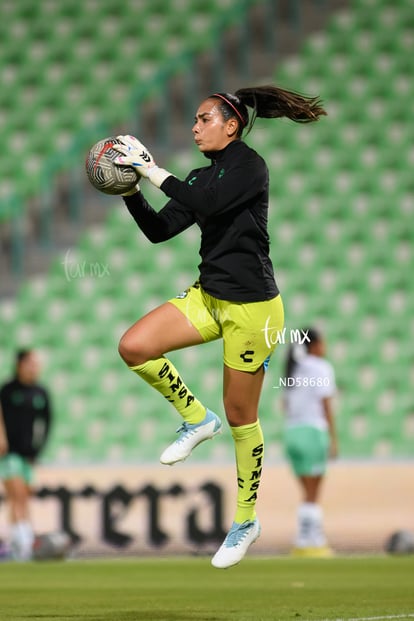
(238, 413)
(241, 396)
(132, 350)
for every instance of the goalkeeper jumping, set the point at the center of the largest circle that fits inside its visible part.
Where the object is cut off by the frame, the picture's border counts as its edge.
(236, 297)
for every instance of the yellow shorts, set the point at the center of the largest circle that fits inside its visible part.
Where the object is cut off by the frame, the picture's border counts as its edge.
(249, 331)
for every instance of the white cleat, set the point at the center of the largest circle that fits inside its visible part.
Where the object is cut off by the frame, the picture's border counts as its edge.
(236, 544)
(190, 437)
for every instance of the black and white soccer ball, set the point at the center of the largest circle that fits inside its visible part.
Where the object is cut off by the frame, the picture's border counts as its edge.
(51, 546)
(400, 542)
(104, 174)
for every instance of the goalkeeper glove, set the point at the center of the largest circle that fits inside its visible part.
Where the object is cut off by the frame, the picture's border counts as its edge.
(136, 155)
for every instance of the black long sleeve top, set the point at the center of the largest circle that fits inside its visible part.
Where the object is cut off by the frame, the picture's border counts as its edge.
(27, 417)
(228, 200)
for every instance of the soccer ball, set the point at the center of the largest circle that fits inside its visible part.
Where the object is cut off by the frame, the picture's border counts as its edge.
(51, 546)
(106, 176)
(400, 542)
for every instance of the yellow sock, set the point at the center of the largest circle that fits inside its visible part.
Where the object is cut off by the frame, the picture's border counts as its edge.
(162, 375)
(248, 441)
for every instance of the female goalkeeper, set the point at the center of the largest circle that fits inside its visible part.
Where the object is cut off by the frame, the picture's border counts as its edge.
(236, 297)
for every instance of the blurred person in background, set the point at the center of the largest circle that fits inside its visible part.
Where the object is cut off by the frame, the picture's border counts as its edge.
(25, 418)
(310, 435)
(236, 297)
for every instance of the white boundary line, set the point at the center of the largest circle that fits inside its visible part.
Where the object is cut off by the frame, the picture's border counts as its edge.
(408, 615)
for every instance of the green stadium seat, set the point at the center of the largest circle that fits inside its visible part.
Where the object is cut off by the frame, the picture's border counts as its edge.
(90, 56)
(340, 222)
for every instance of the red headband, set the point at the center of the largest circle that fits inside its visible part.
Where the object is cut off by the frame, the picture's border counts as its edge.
(231, 105)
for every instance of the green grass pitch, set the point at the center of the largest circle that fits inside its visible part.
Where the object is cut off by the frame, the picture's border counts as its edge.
(186, 589)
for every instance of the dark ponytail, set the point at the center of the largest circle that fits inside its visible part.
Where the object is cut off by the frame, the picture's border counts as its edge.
(271, 102)
(291, 362)
(296, 352)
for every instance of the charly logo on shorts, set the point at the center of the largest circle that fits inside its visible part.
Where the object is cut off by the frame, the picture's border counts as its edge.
(247, 355)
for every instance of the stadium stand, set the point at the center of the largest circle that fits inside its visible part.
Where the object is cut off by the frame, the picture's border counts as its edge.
(73, 72)
(340, 221)
(71, 63)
